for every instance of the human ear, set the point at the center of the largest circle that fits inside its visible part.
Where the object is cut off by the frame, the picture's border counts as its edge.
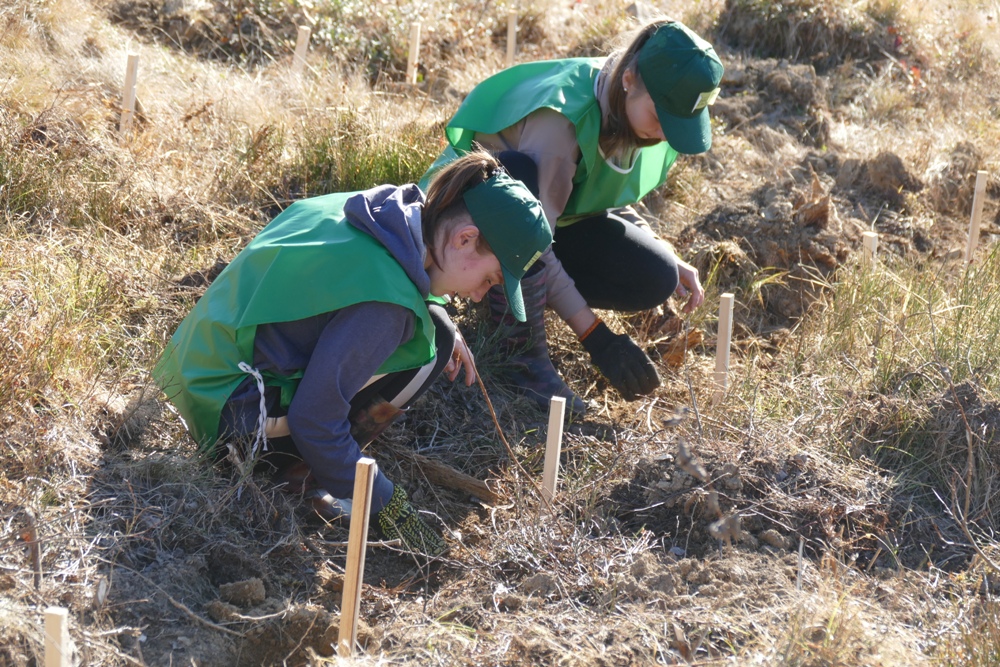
(628, 79)
(465, 236)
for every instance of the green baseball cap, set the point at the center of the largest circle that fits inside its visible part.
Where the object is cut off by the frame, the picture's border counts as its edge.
(511, 220)
(681, 72)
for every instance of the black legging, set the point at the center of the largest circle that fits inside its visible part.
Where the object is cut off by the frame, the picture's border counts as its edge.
(615, 263)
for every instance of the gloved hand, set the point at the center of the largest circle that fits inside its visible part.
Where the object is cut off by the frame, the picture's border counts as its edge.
(622, 362)
(400, 520)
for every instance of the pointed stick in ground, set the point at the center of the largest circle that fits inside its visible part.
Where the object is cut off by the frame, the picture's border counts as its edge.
(977, 214)
(301, 48)
(411, 63)
(357, 541)
(723, 344)
(57, 646)
(870, 243)
(128, 95)
(553, 445)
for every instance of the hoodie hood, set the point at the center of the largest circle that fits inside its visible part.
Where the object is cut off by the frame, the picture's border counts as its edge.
(391, 215)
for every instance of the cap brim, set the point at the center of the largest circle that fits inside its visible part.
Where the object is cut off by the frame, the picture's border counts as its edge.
(687, 135)
(512, 288)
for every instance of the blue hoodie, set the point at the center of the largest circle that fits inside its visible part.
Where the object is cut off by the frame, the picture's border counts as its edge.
(340, 351)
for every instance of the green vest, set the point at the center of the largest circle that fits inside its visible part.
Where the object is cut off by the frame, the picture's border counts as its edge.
(309, 260)
(567, 86)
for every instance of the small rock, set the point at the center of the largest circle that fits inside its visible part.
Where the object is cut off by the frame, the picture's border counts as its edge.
(775, 539)
(243, 593)
(220, 611)
(540, 584)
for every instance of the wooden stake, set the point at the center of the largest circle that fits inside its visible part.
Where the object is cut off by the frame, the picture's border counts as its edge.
(357, 541)
(411, 63)
(511, 37)
(128, 95)
(869, 241)
(726, 302)
(977, 214)
(553, 445)
(301, 48)
(57, 646)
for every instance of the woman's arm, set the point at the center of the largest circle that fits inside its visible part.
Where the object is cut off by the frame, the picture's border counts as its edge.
(351, 348)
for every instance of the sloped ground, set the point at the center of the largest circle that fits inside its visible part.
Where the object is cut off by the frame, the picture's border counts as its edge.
(684, 531)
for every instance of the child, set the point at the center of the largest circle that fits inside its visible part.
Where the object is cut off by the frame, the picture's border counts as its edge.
(319, 332)
(600, 133)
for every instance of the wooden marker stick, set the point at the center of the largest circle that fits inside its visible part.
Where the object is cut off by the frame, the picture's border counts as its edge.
(511, 37)
(128, 94)
(553, 445)
(357, 541)
(722, 346)
(870, 243)
(977, 214)
(57, 646)
(301, 47)
(411, 63)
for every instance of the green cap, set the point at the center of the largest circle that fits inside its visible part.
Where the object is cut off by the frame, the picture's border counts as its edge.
(681, 72)
(511, 220)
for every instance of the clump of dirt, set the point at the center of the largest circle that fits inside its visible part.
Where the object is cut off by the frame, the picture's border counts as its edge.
(823, 34)
(773, 102)
(292, 639)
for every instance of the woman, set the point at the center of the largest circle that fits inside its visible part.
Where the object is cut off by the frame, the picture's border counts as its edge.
(319, 333)
(600, 133)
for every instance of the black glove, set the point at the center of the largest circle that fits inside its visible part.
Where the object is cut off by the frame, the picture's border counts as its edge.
(400, 520)
(623, 363)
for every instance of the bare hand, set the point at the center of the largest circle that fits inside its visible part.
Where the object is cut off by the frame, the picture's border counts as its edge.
(689, 286)
(461, 356)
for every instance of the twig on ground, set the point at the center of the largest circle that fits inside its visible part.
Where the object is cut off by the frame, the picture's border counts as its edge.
(184, 608)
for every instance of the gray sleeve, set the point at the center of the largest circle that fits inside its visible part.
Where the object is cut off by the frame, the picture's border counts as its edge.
(352, 346)
(549, 138)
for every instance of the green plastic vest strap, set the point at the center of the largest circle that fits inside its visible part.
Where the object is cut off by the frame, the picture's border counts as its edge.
(567, 86)
(306, 262)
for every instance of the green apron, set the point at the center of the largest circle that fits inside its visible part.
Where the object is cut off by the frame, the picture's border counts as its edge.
(567, 86)
(309, 260)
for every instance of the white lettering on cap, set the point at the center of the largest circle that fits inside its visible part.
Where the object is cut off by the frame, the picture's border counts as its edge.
(705, 100)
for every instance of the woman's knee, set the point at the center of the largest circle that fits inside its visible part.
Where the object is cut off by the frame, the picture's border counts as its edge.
(662, 283)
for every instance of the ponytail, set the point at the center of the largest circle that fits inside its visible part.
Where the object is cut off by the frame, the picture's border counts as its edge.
(444, 202)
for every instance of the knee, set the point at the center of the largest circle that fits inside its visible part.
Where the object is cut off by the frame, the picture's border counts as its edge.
(663, 283)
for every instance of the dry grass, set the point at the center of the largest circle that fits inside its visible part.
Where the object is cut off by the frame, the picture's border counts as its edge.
(863, 429)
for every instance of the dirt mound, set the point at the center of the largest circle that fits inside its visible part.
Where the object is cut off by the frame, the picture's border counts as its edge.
(820, 33)
(702, 500)
(225, 30)
(951, 179)
(789, 238)
(774, 102)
